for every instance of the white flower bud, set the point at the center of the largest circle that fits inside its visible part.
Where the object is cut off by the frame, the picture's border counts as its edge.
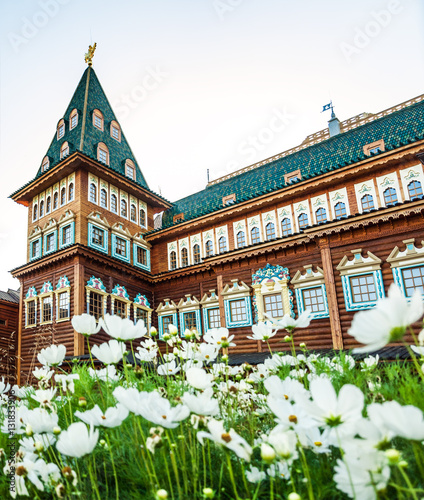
(267, 453)
(38, 445)
(294, 496)
(393, 456)
(162, 494)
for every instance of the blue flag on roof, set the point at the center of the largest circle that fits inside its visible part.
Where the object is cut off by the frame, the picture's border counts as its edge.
(327, 106)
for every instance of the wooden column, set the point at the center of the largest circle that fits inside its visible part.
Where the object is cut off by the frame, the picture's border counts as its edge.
(221, 300)
(327, 266)
(79, 304)
(20, 324)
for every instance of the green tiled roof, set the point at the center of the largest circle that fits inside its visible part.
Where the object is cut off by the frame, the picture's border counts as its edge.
(397, 129)
(96, 99)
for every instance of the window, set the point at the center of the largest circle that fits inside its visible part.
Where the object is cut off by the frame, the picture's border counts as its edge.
(413, 279)
(50, 242)
(321, 215)
(73, 119)
(390, 196)
(142, 256)
(367, 203)
(31, 313)
(363, 288)
(133, 213)
(120, 308)
(196, 253)
(178, 218)
(103, 198)
(55, 200)
(130, 169)
(209, 248)
(97, 236)
(222, 244)
(46, 309)
(173, 260)
(45, 165)
(184, 257)
(141, 314)
(98, 119)
(214, 318)
(93, 193)
(190, 321)
(35, 212)
(67, 235)
(95, 305)
(120, 246)
(103, 153)
(115, 131)
(238, 311)
(123, 208)
(273, 304)
(36, 249)
(60, 129)
(48, 205)
(374, 147)
(64, 150)
(113, 203)
(303, 221)
(292, 177)
(71, 191)
(241, 239)
(313, 299)
(62, 196)
(63, 305)
(41, 209)
(142, 217)
(254, 234)
(340, 210)
(166, 321)
(286, 229)
(228, 200)
(270, 231)
(415, 190)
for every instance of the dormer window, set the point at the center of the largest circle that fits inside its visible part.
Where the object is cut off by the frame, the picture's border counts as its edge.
(103, 153)
(73, 119)
(228, 200)
(98, 119)
(115, 131)
(292, 176)
(374, 148)
(45, 165)
(64, 150)
(130, 169)
(60, 129)
(178, 218)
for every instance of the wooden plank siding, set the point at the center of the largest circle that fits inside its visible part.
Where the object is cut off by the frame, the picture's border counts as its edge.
(9, 312)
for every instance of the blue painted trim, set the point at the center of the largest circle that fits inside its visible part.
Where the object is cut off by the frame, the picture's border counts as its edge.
(31, 256)
(63, 245)
(206, 317)
(235, 324)
(174, 322)
(347, 291)
(103, 248)
(198, 322)
(301, 304)
(45, 242)
(135, 261)
(398, 278)
(127, 258)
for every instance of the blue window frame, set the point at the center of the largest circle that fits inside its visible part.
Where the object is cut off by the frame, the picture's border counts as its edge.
(409, 279)
(303, 221)
(50, 242)
(190, 320)
(211, 318)
(238, 312)
(67, 235)
(36, 248)
(314, 299)
(164, 321)
(121, 248)
(141, 257)
(98, 238)
(362, 291)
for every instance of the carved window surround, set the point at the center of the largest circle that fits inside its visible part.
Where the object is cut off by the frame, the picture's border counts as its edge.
(311, 282)
(168, 309)
(410, 258)
(141, 303)
(209, 302)
(240, 294)
(189, 305)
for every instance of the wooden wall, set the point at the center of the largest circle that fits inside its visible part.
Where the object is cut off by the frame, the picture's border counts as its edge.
(9, 313)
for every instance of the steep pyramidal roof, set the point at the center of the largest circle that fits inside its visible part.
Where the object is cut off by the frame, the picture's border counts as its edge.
(89, 96)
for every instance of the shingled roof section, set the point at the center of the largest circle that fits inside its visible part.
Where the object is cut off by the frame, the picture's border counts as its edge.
(397, 129)
(119, 151)
(10, 296)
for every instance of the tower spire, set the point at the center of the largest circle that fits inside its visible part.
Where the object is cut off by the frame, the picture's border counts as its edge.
(90, 54)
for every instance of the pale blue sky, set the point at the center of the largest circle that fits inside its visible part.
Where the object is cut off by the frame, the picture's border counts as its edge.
(235, 81)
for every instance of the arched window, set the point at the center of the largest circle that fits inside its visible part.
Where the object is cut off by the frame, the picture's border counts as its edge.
(209, 248)
(241, 239)
(270, 231)
(55, 200)
(367, 203)
(254, 234)
(60, 129)
(45, 164)
(103, 153)
(142, 217)
(71, 191)
(48, 205)
(114, 203)
(286, 229)
(93, 193)
(390, 196)
(321, 215)
(196, 253)
(42, 208)
(184, 257)
(64, 150)
(130, 169)
(303, 221)
(340, 210)
(103, 198)
(115, 130)
(73, 119)
(133, 213)
(222, 244)
(415, 190)
(35, 212)
(123, 208)
(173, 260)
(98, 119)
(63, 196)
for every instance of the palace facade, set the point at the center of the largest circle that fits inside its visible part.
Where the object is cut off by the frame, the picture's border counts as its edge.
(326, 226)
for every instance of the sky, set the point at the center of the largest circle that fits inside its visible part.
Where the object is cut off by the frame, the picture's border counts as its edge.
(196, 85)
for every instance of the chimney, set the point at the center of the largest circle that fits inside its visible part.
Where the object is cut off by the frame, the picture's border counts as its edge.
(333, 125)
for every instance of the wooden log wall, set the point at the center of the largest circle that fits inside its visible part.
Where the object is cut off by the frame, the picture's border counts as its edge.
(9, 312)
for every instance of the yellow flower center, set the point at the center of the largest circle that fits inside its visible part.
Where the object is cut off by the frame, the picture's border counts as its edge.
(226, 437)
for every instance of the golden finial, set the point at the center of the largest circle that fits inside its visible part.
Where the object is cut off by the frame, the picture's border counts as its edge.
(90, 54)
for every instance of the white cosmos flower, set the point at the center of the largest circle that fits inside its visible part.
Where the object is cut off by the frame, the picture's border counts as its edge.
(202, 404)
(22, 392)
(281, 470)
(86, 325)
(77, 440)
(4, 386)
(131, 398)
(290, 416)
(262, 331)
(42, 373)
(388, 321)
(40, 420)
(254, 475)
(146, 355)
(370, 362)
(206, 353)
(288, 388)
(219, 337)
(67, 381)
(170, 368)
(38, 472)
(112, 417)
(29, 443)
(230, 439)
(44, 396)
(105, 374)
(284, 443)
(123, 328)
(52, 356)
(109, 353)
(198, 378)
(288, 323)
